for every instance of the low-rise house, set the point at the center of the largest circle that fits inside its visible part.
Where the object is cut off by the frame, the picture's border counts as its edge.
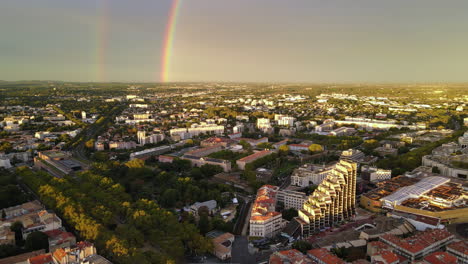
(222, 244)
(323, 256)
(292, 256)
(440, 257)
(60, 239)
(460, 250)
(211, 205)
(419, 245)
(241, 163)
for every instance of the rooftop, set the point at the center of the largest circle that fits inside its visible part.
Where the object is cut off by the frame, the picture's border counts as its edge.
(255, 156)
(440, 257)
(418, 242)
(459, 246)
(325, 256)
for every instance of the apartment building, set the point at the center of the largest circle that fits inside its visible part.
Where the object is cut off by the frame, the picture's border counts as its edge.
(241, 163)
(323, 256)
(460, 250)
(291, 199)
(144, 139)
(332, 202)
(354, 155)
(374, 174)
(200, 161)
(419, 245)
(264, 220)
(299, 147)
(310, 174)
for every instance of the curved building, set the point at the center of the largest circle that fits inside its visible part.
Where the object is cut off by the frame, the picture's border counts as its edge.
(332, 202)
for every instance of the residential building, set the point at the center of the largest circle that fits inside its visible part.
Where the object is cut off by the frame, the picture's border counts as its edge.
(42, 259)
(253, 142)
(165, 159)
(19, 210)
(222, 244)
(283, 120)
(419, 245)
(342, 131)
(291, 199)
(386, 150)
(325, 127)
(200, 161)
(292, 256)
(198, 129)
(374, 174)
(7, 237)
(22, 258)
(323, 256)
(463, 140)
(201, 152)
(241, 163)
(310, 174)
(60, 239)
(263, 124)
(385, 257)
(332, 202)
(460, 250)
(440, 257)
(143, 139)
(210, 205)
(122, 145)
(264, 220)
(214, 141)
(354, 155)
(281, 143)
(299, 147)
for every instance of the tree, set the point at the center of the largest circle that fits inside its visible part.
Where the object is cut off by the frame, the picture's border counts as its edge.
(314, 148)
(169, 198)
(302, 246)
(209, 170)
(204, 224)
(135, 164)
(340, 252)
(89, 144)
(289, 214)
(284, 149)
(37, 240)
(17, 227)
(245, 145)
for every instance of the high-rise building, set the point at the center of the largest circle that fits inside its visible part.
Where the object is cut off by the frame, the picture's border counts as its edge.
(332, 202)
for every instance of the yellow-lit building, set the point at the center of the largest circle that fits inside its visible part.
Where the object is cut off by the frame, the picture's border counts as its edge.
(332, 202)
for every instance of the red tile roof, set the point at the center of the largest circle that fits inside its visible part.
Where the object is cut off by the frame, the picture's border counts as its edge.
(440, 257)
(460, 246)
(325, 256)
(41, 259)
(255, 156)
(389, 256)
(418, 242)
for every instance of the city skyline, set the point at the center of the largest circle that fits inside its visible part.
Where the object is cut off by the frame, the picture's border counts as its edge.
(241, 41)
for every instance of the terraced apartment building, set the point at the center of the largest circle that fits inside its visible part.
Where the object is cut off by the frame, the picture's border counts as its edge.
(332, 202)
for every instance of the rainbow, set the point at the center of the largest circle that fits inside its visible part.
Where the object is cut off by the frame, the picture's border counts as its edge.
(168, 40)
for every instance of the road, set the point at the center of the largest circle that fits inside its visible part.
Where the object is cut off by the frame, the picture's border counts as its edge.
(92, 131)
(240, 251)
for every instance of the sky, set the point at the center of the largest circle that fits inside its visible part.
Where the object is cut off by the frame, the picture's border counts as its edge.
(235, 40)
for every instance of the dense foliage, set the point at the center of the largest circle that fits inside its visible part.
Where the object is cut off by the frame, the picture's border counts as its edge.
(125, 231)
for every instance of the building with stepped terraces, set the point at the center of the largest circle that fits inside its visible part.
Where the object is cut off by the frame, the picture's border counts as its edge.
(332, 202)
